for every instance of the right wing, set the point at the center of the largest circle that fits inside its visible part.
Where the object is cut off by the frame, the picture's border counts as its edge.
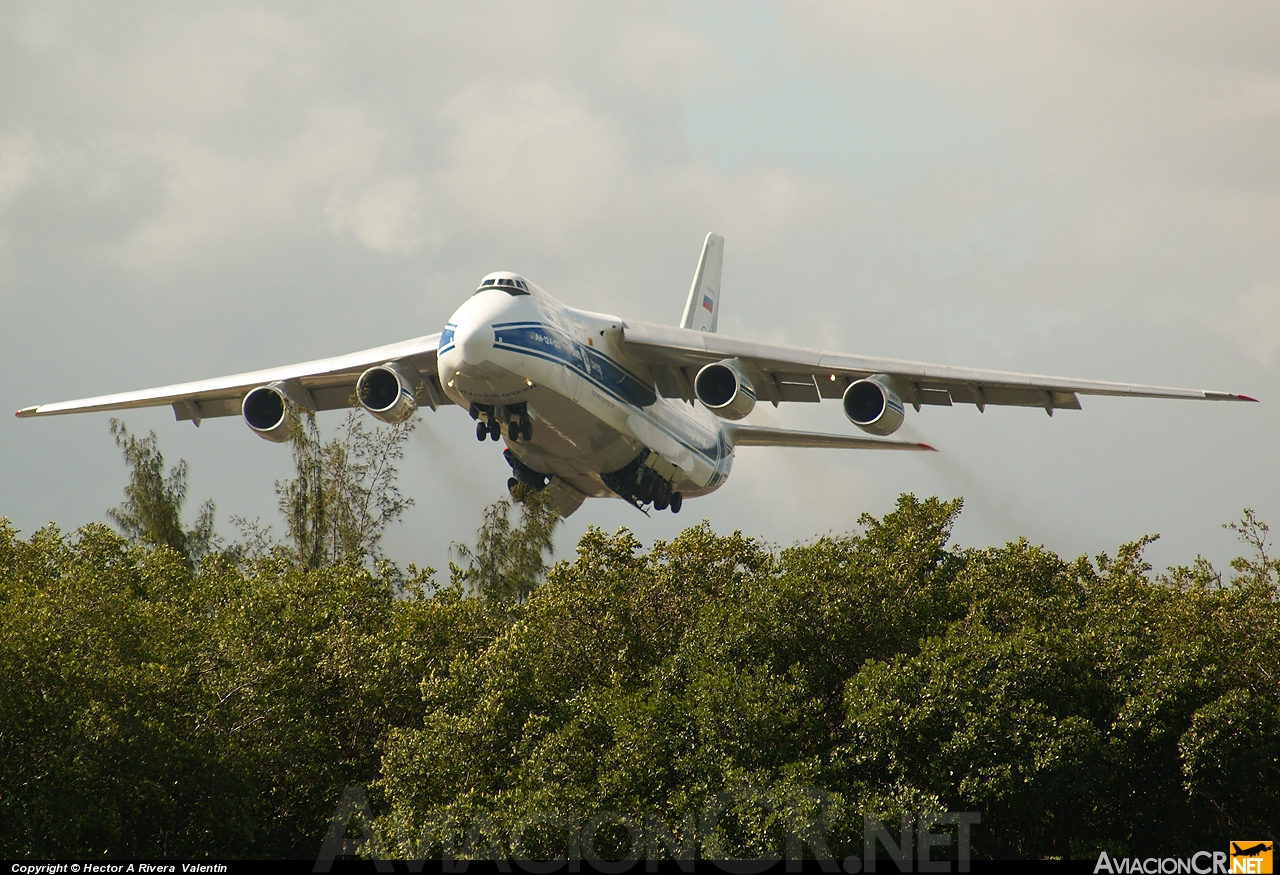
(760, 436)
(328, 384)
(794, 374)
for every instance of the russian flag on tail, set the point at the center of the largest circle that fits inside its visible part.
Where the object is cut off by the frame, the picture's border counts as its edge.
(706, 303)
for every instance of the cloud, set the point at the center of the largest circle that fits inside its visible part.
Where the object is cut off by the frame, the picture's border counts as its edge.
(17, 163)
(386, 218)
(1085, 189)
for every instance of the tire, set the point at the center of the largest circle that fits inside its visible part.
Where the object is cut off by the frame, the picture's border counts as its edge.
(482, 430)
(677, 500)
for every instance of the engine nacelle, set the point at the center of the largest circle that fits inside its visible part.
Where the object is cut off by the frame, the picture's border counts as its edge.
(724, 389)
(872, 406)
(267, 410)
(389, 392)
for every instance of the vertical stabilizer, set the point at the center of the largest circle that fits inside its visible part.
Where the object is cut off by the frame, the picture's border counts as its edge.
(703, 307)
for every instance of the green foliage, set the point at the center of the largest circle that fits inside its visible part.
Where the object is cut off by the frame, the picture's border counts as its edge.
(152, 711)
(508, 561)
(152, 509)
(713, 684)
(344, 494)
(1074, 705)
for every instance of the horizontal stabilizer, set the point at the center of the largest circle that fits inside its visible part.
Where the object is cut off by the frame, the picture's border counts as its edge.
(759, 436)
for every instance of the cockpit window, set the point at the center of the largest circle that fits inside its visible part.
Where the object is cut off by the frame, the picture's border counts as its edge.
(516, 286)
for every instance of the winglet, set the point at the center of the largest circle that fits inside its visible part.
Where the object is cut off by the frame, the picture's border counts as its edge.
(702, 310)
(927, 447)
(1247, 398)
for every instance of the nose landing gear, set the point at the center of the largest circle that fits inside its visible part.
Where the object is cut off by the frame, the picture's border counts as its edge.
(520, 428)
(493, 422)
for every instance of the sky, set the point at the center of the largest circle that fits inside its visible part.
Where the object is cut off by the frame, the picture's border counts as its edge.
(1083, 189)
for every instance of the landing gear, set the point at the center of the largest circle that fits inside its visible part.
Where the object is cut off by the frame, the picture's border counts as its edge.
(662, 496)
(520, 428)
(493, 422)
(524, 474)
(640, 484)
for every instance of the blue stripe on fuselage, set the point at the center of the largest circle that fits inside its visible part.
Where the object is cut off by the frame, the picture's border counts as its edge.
(542, 341)
(539, 339)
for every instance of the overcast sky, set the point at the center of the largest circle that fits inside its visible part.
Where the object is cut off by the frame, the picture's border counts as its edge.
(1082, 189)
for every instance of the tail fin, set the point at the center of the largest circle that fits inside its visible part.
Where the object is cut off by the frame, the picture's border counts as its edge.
(703, 307)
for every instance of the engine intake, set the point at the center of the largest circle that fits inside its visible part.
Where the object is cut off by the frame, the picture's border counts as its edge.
(267, 409)
(724, 389)
(872, 406)
(389, 392)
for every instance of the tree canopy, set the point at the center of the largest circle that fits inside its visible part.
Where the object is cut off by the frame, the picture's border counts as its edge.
(712, 685)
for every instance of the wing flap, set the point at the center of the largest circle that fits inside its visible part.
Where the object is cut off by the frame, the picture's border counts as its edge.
(329, 384)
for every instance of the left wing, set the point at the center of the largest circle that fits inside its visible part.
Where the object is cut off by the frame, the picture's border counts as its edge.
(795, 374)
(328, 384)
(760, 436)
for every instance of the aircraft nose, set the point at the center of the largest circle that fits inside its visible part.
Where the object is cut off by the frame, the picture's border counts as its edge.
(474, 340)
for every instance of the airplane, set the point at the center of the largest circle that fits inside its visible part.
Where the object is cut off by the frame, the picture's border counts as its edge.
(593, 405)
(1251, 851)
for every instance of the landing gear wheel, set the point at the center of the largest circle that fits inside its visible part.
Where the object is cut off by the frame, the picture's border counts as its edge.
(676, 501)
(662, 496)
(512, 485)
(482, 430)
(526, 430)
(495, 430)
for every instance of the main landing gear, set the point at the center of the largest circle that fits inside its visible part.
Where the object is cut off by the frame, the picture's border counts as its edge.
(639, 484)
(493, 422)
(524, 476)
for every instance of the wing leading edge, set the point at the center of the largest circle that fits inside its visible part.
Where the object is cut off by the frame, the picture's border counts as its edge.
(328, 383)
(796, 374)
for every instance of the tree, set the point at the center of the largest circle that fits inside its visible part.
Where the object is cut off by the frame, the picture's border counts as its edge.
(1259, 571)
(508, 561)
(152, 509)
(344, 494)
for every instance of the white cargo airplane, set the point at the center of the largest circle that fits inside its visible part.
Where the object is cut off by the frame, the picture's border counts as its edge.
(594, 405)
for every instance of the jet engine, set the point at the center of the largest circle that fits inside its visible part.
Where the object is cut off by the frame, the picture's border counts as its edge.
(872, 406)
(389, 392)
(724, 389)
(267, 409)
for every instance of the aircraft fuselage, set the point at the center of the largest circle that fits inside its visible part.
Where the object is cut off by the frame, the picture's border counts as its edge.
(593, 410)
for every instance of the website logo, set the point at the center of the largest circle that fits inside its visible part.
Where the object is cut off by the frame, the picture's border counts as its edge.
(1253, 858)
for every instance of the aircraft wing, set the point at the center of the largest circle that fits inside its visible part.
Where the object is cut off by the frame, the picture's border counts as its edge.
(794, 374)
(328, 384)
(760, 436)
